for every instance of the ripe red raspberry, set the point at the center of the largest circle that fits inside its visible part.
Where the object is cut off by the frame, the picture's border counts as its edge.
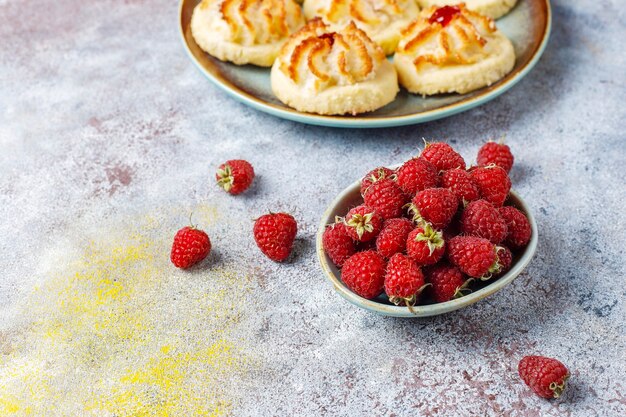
(386, 198)
(392, 238)
(190, 246)
(417, 174)
(461, 183)
(519, 230)
(363, 223)
(374, 175)
(364, 273)
(442, 156)
(436, 206)
(274, 234)
(546, 376)
(496, 153)
(425, 245)
(505, 259)
(447, 282)
(474, 256)
(493, 183)
(235, 176)
(480, 218)
(338, 245)
(403, 281)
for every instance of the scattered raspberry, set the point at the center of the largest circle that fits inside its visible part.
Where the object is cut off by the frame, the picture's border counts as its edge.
(403, 281)
(480, 218)
(235, 176)
(425, 245)
(442, 156)
(337, 243)
(447, 282)
(374, 175)
(436, 206)
(474, 256)
(519, 230)
(363, 223)
(386, 198)
(505, 259)
(274, 234)
(392, 238)
(417, 174)
(496, 153)
(493, 183)
(190, 246)
(546, 376)
(364, 273)
(461, 183)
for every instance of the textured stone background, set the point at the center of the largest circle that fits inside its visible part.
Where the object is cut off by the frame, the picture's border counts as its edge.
(107, 130)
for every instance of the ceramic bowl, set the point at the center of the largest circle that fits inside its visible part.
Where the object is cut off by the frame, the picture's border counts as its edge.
(351, 197)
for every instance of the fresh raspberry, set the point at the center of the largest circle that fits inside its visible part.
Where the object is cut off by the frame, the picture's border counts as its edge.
(519, 230)
(505, 259)
(436, 206)
(374, 175)
(364, 273)
(480, 218)
(235, 176)
(363, 223)
(474, 256)
(447, 282)
(546, 376)
(417, 174)
(493, 183)
(338, 245)
(386, 198)
(425, 245)
(190, 246)
(461, 183)
(403, 281)
(392, 238)
(442, 156)
(274, 234)
(496, 153)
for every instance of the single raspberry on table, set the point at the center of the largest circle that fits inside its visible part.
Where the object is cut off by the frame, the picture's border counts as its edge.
(338, 245)
(417, 174)
(493, 183)
(461, 183)
(436, 206)
(235, 176)
(363, 223)
(447, 282)
(374, 175)
(546, 376)
(474, 256)
(190, 246)
(386, 198)
(364, 273)
(496, 153)
(425, 245)
(442, 156)
(274, 234)
(403, 281)
(392, 237)
(480, 218)
(519, 230)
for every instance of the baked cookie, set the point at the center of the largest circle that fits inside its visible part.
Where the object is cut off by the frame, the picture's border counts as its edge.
(452, 50)
(382, 20)
(245, 31)
(490, 8)
(327, 72)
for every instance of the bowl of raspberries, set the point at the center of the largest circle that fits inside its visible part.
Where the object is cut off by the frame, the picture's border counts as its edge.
(429, 236)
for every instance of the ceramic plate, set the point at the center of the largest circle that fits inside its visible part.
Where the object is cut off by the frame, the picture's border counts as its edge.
(527, 25)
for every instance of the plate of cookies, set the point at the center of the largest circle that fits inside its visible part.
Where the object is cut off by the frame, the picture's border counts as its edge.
(364, 63)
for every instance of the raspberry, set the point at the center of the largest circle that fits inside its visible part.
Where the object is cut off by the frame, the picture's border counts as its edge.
(493, 183)
(474, 256)
(546, 376)
(519, 230)
(505, 259)
(480, 218)
(447, 282)
(436, 206)
(374, 175)
(417, 174)
(386, 198)
(274, 234)
(425, 245)
(364, 273)
(363, 223)
(461, 183)
(235, 176)
(392, 238)
(338, 245)
(403, 281)
(190, 246)
(442, 156)
(496, 153)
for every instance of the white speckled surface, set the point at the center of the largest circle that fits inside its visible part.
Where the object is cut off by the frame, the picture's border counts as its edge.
(107, 131)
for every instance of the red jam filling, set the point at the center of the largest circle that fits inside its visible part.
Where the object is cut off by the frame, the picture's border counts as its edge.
(444, 15)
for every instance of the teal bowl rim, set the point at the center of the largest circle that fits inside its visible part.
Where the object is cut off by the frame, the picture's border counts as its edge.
(419, 310)
(363, 123)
